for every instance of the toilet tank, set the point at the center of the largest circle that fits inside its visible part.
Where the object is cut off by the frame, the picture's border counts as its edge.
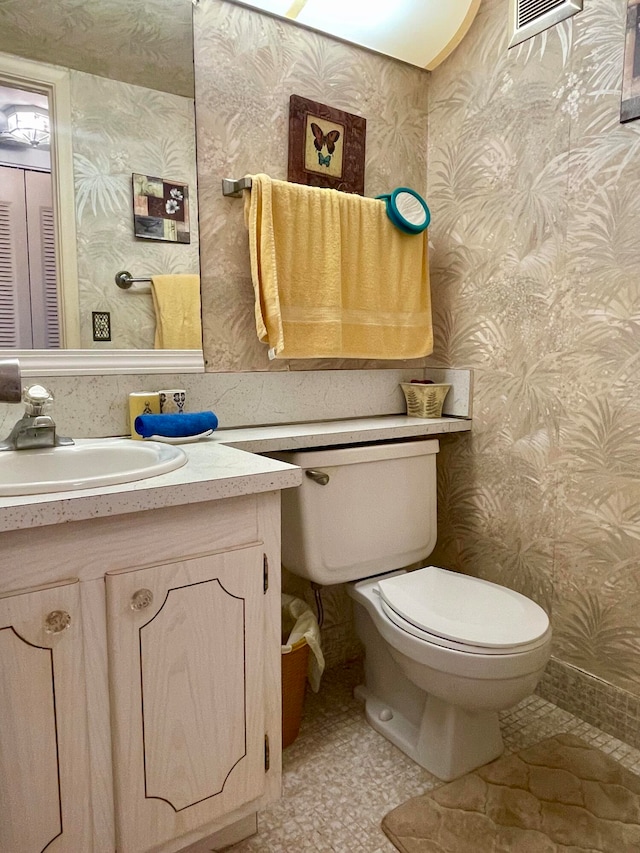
(376, 513)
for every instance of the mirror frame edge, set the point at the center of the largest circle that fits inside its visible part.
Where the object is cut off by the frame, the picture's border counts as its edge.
(55, 82)
(82, 362)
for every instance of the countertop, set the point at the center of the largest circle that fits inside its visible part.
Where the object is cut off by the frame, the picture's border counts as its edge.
(223, 466)
(327, 433)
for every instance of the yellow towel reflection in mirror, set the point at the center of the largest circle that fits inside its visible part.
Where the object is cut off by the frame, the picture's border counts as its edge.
(176, 301)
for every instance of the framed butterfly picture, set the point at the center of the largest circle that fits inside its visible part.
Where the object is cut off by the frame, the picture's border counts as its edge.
(326, 146)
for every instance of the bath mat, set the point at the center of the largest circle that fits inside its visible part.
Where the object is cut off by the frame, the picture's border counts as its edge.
(559, 795)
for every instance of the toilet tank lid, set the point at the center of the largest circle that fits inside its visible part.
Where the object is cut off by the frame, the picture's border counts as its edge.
(355, 454)
(463, 608)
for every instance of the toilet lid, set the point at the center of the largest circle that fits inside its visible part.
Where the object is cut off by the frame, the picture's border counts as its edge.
(464, 609)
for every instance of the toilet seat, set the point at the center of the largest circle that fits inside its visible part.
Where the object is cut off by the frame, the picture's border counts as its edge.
(436, 640)
(462, 612)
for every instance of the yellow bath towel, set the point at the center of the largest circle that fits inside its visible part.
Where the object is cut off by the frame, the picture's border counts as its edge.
(333, 278)
(176, 300)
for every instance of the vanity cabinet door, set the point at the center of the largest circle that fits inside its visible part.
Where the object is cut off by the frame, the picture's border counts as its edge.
(185, 660)
(43, 745)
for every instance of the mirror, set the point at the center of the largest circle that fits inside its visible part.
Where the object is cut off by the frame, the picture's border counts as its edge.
(119, 79)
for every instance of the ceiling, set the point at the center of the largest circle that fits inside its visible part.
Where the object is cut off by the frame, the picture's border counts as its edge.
(420, 32)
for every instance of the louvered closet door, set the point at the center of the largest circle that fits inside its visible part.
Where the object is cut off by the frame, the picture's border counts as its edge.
(42, 261)
(28, 281)
(15, 308)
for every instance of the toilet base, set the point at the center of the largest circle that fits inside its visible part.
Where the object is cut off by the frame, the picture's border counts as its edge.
(449, 741)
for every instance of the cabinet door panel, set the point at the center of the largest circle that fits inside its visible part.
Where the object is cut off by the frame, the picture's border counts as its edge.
(186, 684)
(43, 748)
(187, 700)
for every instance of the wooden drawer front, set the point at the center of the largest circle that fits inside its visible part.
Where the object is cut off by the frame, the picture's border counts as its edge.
(88, 549)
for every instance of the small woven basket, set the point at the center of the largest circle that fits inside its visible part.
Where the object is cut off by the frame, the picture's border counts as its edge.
(294, 680)
(424, 401)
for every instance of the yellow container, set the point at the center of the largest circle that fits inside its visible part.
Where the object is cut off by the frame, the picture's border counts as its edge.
(425, 401)
(142, 403)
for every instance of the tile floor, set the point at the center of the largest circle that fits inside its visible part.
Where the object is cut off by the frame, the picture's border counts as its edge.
(340, 777)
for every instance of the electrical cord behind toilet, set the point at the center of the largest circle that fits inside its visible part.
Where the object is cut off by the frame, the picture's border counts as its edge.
(317, 592)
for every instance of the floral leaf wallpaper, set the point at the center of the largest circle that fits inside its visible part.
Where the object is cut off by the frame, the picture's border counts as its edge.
(533, 185)
(119, 129)
(148, 43)
(247, 65)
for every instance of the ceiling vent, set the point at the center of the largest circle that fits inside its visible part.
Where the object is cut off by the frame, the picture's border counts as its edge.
(527, 18)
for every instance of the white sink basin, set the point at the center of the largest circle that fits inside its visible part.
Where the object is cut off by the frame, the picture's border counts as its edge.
(87, 464)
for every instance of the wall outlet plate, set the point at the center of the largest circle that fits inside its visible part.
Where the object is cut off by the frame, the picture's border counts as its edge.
(101, 321)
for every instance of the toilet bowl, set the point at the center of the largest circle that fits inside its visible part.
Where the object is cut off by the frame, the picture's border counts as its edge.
(444, 652)
(437, 697)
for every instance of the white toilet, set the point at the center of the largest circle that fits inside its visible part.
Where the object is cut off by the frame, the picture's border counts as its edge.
(444, 652)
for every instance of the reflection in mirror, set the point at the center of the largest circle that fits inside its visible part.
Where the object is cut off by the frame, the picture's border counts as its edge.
(29, 309)
(128, 71)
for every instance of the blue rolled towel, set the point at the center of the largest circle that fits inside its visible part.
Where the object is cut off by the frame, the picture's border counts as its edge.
(175, 426)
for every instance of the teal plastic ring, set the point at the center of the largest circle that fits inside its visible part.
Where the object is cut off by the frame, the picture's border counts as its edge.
(407, 210)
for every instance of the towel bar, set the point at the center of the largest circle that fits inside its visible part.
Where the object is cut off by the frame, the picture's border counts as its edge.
(233, 188)
(124, 280)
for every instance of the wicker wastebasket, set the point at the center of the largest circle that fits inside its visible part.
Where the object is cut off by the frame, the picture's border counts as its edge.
(294, 680)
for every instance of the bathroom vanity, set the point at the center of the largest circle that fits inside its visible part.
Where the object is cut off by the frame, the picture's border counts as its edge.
(126, 610)
(123, 612)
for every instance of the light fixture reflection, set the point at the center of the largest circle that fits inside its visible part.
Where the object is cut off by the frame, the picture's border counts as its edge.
(28, 125)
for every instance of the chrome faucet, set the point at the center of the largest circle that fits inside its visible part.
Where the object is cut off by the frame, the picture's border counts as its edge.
(36, 428)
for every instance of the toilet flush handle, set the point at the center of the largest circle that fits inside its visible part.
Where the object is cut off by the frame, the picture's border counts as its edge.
(317, 476)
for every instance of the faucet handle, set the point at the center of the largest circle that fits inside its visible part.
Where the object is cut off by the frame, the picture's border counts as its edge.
(10, 380)
(37, 399)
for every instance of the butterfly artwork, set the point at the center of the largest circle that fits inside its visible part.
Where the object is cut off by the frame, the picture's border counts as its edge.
(321, 139)
(326, 146)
